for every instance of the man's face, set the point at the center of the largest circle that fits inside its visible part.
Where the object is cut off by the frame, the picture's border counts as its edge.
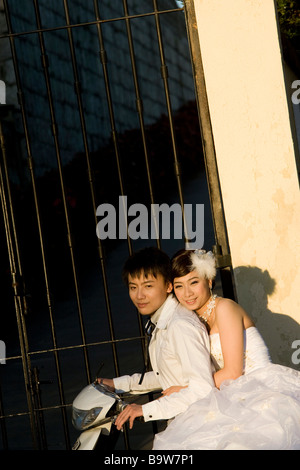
(148, 293)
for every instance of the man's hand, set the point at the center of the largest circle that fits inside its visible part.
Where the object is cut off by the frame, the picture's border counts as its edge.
(129, 413)
(108, 382)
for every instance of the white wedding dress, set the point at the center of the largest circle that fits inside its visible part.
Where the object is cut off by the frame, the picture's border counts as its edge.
(258, 411)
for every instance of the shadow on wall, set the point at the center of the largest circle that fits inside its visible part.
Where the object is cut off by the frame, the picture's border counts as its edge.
(278, 330)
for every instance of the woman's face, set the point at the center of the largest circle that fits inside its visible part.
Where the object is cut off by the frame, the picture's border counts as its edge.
(191, 290)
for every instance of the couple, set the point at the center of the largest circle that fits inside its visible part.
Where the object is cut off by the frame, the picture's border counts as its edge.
(221, 387)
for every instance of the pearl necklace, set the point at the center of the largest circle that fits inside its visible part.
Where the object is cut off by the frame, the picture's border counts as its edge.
(211, 305)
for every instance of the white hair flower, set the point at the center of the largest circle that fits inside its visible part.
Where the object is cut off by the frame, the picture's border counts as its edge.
(204, 263)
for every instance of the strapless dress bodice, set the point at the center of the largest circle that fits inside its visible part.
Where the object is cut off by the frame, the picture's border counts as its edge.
(256, 353)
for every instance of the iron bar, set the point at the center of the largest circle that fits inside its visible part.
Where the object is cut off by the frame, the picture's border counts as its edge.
(76, 346)
(104, 63)
(15, 269)
(3, 422)
(87, 23)
(37, 208)
(39, 409)
(139, 105)
(90, 174)
(65, 206)
(164, 74)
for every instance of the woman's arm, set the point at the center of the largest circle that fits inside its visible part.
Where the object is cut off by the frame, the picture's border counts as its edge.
(174, 388)
(230, 323)
(229, 320)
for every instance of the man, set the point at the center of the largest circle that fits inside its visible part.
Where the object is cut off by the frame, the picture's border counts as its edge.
(179, 347)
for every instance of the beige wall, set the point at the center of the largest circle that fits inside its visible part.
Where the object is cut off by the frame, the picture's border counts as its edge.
(256, 159)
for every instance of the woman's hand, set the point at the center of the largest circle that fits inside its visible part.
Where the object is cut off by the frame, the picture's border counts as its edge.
(173, 389)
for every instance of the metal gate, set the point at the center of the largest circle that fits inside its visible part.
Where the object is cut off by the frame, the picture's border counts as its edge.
(106, 108)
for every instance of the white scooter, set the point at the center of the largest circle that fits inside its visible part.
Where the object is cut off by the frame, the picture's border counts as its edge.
(94, 411)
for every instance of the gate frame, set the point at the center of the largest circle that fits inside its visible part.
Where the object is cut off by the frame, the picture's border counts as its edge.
(221, 249)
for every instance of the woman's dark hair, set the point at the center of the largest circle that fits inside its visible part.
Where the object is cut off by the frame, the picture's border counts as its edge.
(147, 261)
(181, 264)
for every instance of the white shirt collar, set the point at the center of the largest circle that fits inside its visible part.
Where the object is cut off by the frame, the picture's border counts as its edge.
(161, 317)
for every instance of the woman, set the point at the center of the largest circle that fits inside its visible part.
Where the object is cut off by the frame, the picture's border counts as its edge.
(256, 404)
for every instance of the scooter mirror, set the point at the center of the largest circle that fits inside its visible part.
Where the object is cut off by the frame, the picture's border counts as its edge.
(106, 390)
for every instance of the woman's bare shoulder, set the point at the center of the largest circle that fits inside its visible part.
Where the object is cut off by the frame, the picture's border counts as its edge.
(223, 302)
(225, 305)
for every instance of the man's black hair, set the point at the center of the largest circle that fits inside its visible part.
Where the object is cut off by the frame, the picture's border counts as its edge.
(147, 261)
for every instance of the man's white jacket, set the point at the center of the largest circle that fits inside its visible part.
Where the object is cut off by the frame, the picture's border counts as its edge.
(180, 355)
